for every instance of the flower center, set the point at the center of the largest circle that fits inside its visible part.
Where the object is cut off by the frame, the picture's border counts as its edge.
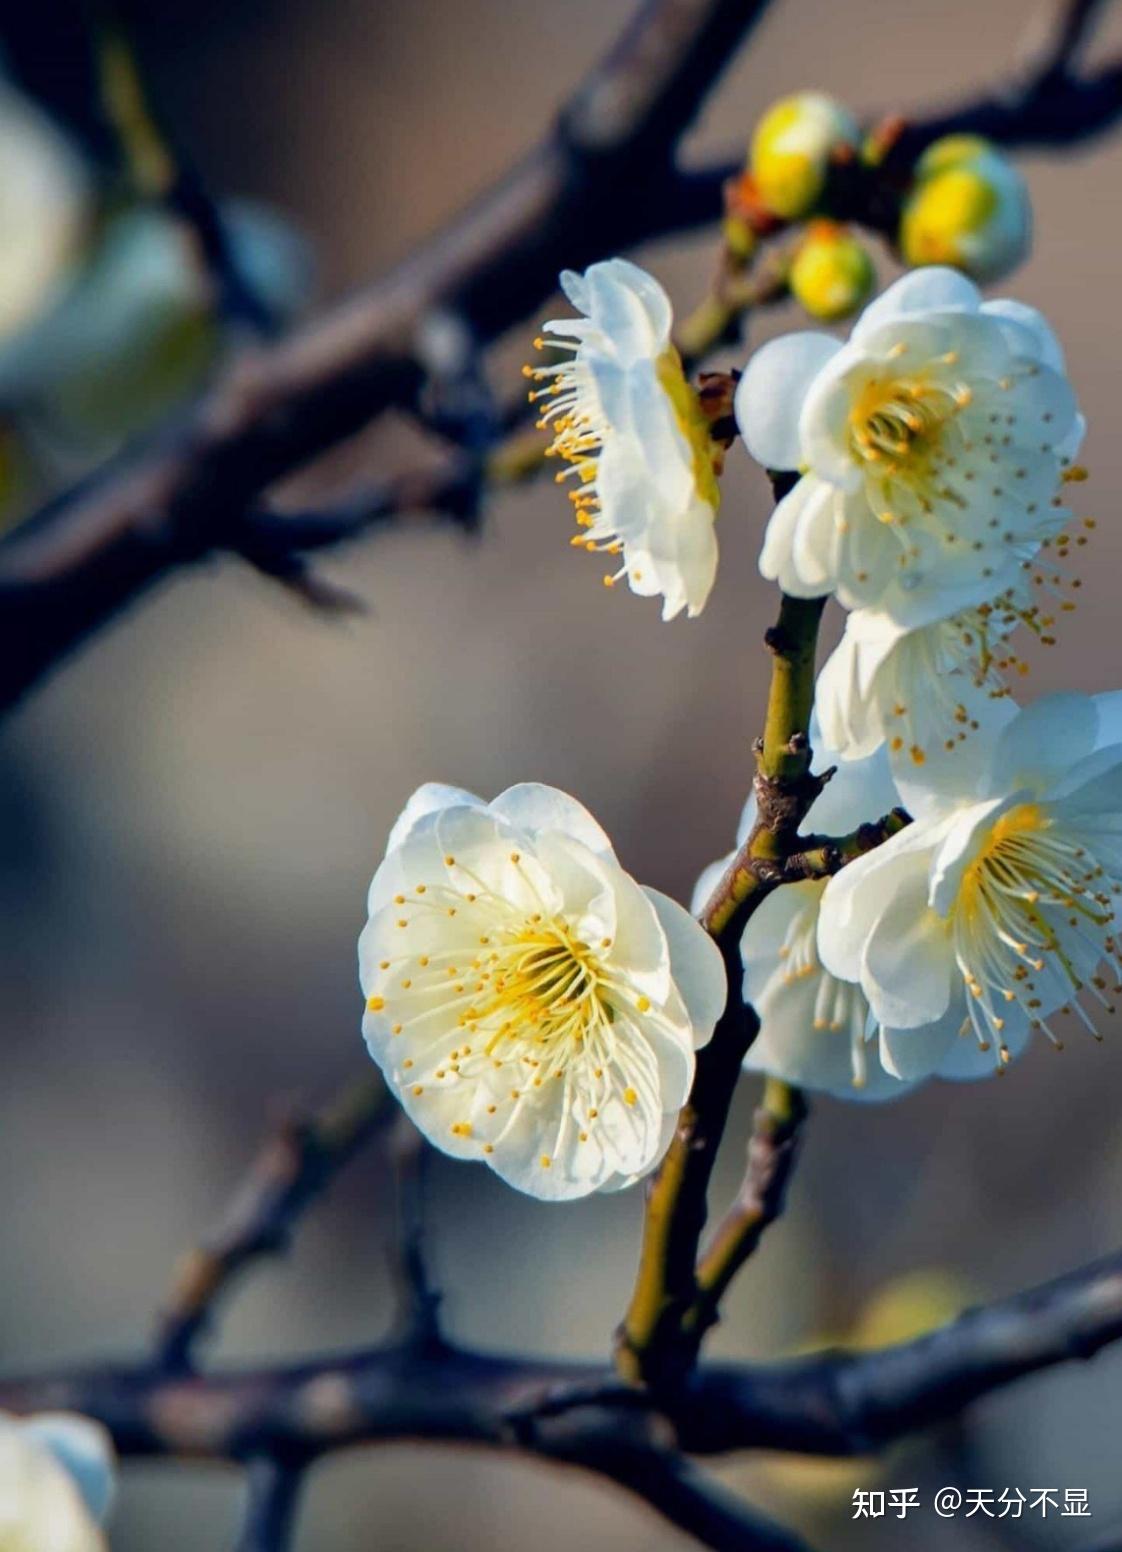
(897, 424)
(490, 995)
(1032, 922)
(542, 988)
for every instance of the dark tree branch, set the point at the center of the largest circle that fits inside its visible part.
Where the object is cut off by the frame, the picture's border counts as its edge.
(292, 1170)
(829, 1403)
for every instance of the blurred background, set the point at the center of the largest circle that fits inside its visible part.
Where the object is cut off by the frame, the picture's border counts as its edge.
(192, 808)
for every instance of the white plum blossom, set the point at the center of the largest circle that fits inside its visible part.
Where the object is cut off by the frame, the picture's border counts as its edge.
(632, 431)
(816, 1030)
(995, 909)
(530, 1004)
(932, 449)
(56, 1483)
(927, 688)
(45, 207)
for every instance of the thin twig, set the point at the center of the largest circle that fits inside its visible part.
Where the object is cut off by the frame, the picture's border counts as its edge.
(772, 1150)
(419, 1300)
(293, 1168)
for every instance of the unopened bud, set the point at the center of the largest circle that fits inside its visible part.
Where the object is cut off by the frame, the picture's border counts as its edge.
(831, 274)
(792, 148)
(968, 207)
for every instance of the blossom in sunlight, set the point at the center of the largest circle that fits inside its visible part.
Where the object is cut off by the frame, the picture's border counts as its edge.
(531, 1005)
(927, 688)
(816, 1030)
(792, 148)
(995, 909)
(633, 433)
(969, 206)
(933, 448)
(44, 209)
(56, 1483)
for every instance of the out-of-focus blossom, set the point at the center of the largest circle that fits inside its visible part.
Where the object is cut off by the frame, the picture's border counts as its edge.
(56, 1483)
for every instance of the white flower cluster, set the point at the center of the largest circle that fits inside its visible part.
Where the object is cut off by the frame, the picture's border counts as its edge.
(932, 450)
(531, 1005)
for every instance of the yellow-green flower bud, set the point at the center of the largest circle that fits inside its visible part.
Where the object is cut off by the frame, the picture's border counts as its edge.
(791, 150)
(831, 273)
(968, 207)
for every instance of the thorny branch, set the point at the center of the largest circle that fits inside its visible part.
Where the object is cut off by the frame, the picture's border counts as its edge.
(96, 548)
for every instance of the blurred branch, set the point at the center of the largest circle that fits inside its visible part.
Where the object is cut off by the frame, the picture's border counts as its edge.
(160, 172)
(419, 1300)
(831, 1403)
(270, 1514)
(293, 1168)
(96, 548)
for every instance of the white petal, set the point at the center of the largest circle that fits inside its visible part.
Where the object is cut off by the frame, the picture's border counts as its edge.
(696, 966)
(1030, 333)
(617, 308)
(770, 395)
(1039, 745)
(1109, 707)
(907, 964)
(966, 833)
(427, 799)
(810, 499)
(856, 897)
(914, 1054)
(933, 289)
(654, 300)
(535, 808)
(575, 288)
(85, 1451)
(965, 1060)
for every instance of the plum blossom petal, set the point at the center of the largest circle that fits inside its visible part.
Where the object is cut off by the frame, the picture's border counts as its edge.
(770, 394)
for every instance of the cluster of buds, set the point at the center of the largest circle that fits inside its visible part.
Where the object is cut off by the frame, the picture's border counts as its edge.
(963, 203)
